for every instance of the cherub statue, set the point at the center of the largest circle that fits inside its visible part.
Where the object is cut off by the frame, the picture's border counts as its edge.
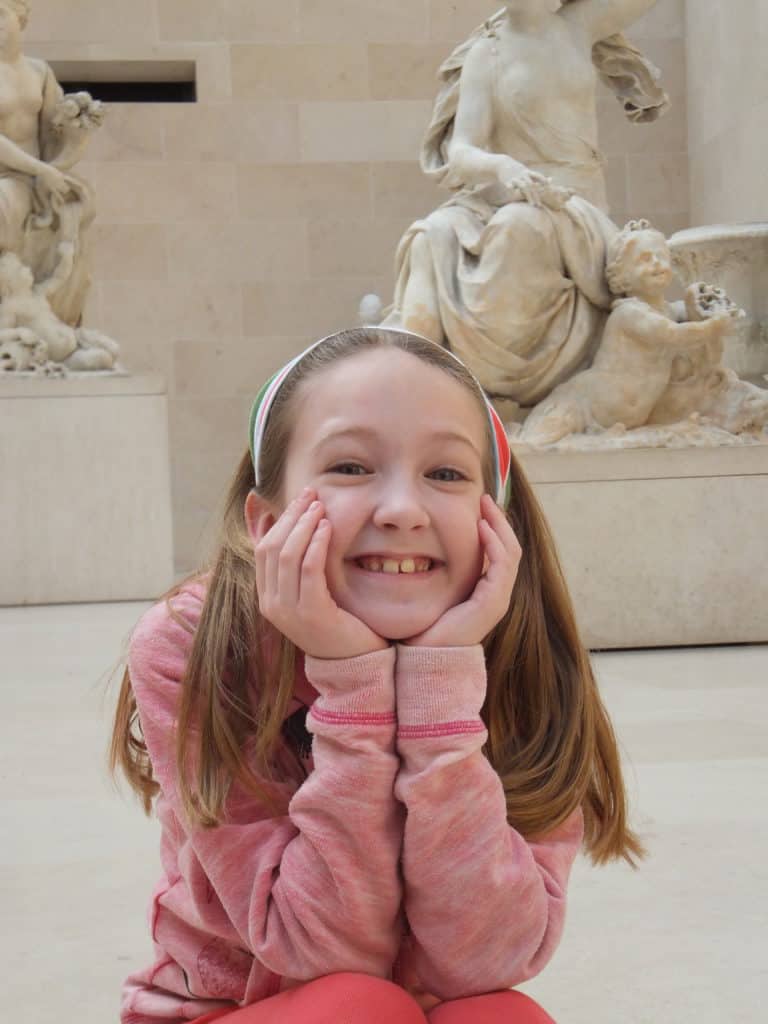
(32, 337)
(43, 134)
(658, 362)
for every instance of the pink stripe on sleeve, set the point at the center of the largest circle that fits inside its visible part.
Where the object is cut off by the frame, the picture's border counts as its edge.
(347, 718)
(417, 732)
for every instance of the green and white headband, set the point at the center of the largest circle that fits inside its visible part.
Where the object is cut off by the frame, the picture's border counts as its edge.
(502, 457)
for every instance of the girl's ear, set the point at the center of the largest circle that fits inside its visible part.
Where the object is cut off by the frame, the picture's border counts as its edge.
(259, 517)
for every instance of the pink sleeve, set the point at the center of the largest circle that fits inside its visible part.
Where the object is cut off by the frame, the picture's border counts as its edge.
(317, 890)
(486, 907)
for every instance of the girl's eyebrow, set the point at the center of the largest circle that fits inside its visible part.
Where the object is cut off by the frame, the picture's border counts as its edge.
(368, 433)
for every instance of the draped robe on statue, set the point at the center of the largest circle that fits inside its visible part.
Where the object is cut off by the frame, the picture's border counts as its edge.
(520, 289)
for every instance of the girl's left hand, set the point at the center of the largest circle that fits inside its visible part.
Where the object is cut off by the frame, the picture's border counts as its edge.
(469, 623)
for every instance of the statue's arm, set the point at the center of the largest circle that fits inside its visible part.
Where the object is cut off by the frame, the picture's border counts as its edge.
(13, 158)
(604, 18)
(647, 325)
(692, 334)
(471, 160)
(50, 141)
(17, 160)
(640, 322)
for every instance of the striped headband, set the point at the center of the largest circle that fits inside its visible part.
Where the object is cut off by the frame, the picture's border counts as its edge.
(262, 405)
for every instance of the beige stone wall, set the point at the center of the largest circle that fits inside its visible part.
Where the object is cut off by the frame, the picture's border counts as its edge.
(232, 231)
(648, 164)
(728, 121)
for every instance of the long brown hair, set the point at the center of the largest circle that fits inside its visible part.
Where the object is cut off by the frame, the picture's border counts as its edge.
(549, 737)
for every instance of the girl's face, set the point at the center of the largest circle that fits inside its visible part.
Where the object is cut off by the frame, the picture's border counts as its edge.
(394, 448)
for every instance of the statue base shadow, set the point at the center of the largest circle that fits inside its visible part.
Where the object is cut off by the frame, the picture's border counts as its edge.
(86, 495)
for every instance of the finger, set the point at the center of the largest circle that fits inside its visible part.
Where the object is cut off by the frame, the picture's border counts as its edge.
(496, 518)
(289, 559)
(314, 582)
(502, 563)
(278, 532)
(272, 542)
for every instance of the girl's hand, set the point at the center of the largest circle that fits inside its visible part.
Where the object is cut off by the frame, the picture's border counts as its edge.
(469, 623)
(293, 593)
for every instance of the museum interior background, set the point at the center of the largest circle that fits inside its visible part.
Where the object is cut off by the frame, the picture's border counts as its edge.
(232, 230)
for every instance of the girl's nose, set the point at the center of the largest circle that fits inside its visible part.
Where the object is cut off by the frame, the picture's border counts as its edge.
(399, 506)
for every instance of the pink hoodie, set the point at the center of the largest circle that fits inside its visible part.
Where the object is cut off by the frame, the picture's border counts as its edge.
(395, 858)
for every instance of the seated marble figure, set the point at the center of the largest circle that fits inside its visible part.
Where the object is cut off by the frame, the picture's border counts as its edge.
(658, 362)
(509, 273)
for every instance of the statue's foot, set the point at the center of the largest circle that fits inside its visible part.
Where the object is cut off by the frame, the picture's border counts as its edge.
(90, 359)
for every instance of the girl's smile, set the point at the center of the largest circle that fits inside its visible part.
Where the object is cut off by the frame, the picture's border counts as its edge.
(395, 449)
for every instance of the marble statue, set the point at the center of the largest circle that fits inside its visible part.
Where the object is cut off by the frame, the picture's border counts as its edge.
(658, 362)
(370, 310)
(735, 257)
(43, 133)
(32, 337)
(510, 271)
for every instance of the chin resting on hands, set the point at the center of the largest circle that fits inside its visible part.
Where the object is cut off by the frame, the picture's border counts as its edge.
(290, 558)
(469, 623)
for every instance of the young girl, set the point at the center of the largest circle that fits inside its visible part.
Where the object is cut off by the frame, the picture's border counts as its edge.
(371, 734)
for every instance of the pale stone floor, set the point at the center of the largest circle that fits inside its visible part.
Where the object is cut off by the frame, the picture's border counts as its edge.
(682, 940)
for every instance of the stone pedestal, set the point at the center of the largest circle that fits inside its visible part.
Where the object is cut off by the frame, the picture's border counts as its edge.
(85, 497)
(661, 547)
(733, 257)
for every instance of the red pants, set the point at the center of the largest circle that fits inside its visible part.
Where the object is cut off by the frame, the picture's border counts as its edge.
(361, 999)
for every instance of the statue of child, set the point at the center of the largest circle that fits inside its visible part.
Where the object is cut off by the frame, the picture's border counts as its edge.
(643, 339)
(31, 335)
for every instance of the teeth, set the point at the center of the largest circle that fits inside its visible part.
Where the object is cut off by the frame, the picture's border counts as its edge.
(393, 567)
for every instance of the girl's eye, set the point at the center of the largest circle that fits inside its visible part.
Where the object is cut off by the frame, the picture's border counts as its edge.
(447, 475)
(348, 469)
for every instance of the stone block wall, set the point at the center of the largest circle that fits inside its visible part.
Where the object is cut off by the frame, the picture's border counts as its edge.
(232, 231)
(728, 103)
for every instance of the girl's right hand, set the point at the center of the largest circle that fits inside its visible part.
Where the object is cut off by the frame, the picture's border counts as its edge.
(293, 593)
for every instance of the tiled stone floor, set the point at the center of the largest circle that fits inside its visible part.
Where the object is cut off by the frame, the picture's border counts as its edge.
(682, 940)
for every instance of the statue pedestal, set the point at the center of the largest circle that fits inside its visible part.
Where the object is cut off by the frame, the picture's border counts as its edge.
(661, 547)
(85, 495)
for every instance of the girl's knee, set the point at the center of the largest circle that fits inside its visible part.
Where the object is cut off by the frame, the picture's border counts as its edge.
(491, 1009)
(368, 1000)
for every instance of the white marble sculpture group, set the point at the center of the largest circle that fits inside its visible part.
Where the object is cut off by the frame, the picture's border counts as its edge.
(45, 213)
(560, 313)
(521, 271)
